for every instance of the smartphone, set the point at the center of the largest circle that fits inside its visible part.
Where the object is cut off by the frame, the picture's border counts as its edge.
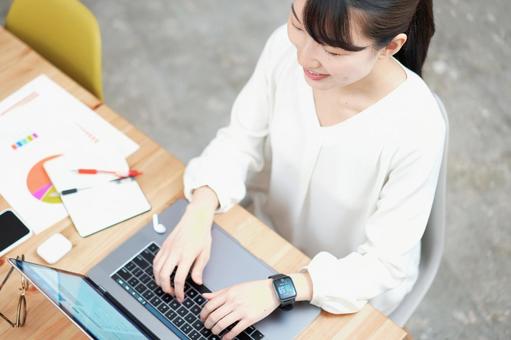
(12, 231)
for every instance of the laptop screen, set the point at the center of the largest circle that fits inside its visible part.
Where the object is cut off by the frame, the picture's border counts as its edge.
(76, 297)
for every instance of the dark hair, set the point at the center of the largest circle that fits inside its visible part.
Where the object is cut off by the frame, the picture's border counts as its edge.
(328, 23)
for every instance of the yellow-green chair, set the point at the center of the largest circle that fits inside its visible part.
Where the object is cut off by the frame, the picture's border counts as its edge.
(63, 31)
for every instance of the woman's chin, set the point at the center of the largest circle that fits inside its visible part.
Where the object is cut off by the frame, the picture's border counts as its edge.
(327, 84)
(322, 85)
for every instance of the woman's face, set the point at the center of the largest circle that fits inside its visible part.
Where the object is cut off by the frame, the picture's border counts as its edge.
(327, 67)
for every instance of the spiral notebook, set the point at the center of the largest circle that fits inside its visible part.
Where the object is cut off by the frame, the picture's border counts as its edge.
(95, 202)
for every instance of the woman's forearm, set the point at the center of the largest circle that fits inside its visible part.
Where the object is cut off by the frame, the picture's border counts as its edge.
(204, 199)
(303, 286)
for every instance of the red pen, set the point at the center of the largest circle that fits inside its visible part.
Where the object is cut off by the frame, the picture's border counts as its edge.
(130, 173)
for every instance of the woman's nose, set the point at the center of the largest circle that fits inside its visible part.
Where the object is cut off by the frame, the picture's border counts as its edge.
(307, 55)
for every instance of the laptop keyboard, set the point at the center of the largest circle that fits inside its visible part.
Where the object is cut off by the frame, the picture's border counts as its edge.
(136, 277)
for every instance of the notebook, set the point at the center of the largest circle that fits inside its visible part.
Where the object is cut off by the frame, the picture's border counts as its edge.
(101, 200)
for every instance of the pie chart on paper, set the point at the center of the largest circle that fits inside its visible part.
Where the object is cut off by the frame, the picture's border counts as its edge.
(39, 184)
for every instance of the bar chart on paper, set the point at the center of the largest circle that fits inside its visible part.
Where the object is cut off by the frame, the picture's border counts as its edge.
(39, 184)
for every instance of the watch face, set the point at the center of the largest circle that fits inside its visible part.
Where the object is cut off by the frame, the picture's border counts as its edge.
(285, 288)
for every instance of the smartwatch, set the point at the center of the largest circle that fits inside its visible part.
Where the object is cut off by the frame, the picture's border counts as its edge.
(285, 290)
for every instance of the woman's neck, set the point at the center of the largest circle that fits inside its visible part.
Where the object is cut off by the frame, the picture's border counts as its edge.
(385, 77)
(337, 105)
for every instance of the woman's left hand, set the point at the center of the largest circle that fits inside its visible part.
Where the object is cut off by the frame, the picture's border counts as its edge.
(245, 303)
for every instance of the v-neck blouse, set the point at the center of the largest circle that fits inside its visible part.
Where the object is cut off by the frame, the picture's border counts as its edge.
(354, 196)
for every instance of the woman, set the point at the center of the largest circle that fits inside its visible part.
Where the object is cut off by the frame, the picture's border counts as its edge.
(338, 143)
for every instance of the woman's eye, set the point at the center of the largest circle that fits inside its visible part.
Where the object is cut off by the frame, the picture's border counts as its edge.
(333, 54)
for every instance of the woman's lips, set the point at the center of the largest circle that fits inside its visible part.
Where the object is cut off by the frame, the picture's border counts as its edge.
(314, 75)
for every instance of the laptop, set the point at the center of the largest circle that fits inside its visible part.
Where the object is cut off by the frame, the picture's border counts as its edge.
(118, 297)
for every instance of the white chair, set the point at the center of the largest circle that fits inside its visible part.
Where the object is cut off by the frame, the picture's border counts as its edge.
(432, 243)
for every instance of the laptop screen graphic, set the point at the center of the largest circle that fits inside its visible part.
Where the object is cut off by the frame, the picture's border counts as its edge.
(73, 294)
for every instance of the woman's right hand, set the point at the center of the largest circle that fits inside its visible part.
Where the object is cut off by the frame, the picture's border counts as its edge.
(188, 244)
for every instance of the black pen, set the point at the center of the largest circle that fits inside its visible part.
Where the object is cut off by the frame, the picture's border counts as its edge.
(75, 190)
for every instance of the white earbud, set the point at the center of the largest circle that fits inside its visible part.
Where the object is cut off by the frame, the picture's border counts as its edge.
(158, 227)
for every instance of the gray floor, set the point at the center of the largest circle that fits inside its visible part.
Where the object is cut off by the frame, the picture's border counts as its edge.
(173, 68)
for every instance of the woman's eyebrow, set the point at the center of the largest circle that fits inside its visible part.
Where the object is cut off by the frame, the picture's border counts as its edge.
(294, 13)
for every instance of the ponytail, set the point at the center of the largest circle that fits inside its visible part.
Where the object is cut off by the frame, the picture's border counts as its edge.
(421, 29)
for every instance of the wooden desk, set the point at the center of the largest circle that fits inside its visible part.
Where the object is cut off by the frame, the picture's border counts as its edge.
(162, 184)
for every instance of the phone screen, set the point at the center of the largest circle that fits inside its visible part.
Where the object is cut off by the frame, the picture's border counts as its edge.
(11, 229)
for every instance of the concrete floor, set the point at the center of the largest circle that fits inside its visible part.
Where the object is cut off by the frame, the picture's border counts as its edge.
(173, 68)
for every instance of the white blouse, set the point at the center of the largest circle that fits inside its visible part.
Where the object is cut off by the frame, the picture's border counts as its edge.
(355, 196)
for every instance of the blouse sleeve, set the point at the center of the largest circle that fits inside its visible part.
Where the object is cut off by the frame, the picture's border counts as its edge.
(345, 285)
(237, 148)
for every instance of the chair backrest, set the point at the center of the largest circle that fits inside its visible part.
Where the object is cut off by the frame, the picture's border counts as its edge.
(432, 243)
(63, 31)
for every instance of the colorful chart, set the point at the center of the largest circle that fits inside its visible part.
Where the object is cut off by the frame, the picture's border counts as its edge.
(39, 184)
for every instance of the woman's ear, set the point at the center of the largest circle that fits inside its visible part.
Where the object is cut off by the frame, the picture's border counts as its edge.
(394, 45)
